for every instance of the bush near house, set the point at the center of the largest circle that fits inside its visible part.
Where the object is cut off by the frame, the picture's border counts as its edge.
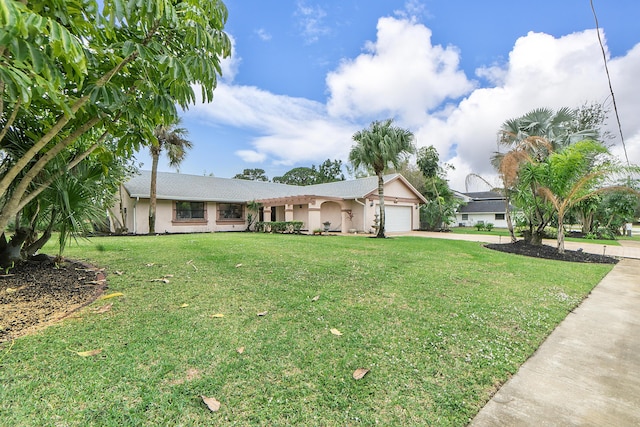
(283, 227)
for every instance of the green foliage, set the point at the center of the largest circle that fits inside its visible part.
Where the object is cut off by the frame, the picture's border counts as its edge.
(282, 227)
(68, 67)
(328, 171)
(252, 175)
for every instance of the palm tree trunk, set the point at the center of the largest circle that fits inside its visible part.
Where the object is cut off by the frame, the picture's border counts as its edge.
(155, 155)
(381, 198)
(509, 222)
(560, 233)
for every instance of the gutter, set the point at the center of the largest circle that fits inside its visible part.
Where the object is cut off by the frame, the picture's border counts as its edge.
(135, 217)
(364, 213)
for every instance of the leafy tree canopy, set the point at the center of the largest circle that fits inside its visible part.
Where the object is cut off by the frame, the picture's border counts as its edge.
(328, 171)
(252, 175)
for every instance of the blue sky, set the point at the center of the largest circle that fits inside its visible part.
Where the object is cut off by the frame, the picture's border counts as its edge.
(305, 75)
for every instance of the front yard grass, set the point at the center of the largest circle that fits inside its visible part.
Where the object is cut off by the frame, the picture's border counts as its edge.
(440, 325)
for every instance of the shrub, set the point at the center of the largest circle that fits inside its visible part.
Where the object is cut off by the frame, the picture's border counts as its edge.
(488, 226)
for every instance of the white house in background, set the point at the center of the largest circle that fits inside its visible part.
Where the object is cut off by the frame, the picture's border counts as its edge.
(482, 207)
(191, 204)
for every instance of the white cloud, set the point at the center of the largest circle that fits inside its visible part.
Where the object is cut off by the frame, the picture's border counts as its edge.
(311, 22)
(263, 34)
(230, 64)
(251, 156)
(401, 74)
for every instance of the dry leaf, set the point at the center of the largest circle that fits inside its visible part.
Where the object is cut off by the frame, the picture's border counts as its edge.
(151, 264)
(238, 265)
(217, 315)
(163, 280)
(334, 331)
(104, 308)
(115, 294)
(89, 353)
(184, 305)
(211, 403)
(119, 273)
(190, 262)
(359, 373)
(316, 298)
(263, 313)
(11, 290)
(240, 350)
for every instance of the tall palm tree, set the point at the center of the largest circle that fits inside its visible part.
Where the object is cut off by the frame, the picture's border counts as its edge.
(377, 147)
(172, 140)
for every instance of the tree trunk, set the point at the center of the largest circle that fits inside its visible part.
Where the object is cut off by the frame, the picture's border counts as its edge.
(560, 233)
(381, 198)
(509, 222)
(10, 251)
(155, 155)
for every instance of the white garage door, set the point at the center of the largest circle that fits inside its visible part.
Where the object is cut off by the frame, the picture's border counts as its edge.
(397, 218)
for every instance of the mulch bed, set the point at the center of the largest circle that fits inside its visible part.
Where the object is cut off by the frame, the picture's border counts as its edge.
(550, 252)
(34, 294)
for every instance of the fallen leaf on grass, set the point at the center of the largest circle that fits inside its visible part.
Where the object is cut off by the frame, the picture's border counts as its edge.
(359, 373)
(316, 298)
(217, 315)
(163, 280)
(104, 308)
(263, 313)
(89, 353)
(211, 403)
(118, 272)
(240, 350)
(334, 331)
(184, 305)
(151, 264)
(238, 265)
(190, 262)
(115, 294)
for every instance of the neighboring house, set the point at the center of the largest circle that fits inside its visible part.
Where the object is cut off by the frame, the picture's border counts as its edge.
(483, 207)
(191, 203)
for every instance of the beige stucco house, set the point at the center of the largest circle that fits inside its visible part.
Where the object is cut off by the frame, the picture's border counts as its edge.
(191, 203)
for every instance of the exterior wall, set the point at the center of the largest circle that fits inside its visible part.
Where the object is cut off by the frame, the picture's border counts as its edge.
(332, 212)
(474, 218)
(138, 218)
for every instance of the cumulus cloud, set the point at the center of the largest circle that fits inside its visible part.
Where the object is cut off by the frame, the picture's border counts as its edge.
(402, 74)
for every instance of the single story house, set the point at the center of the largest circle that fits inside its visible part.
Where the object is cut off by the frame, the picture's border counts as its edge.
(191, 203)
(482, 207)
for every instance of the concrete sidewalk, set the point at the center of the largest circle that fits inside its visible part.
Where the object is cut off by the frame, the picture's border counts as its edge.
(587, 372)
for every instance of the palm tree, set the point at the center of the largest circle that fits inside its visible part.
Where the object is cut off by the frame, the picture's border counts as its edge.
(171, 139)
(378, 146)
(530, 139)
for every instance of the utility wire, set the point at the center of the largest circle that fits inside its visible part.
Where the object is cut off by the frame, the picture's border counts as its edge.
(606, 68)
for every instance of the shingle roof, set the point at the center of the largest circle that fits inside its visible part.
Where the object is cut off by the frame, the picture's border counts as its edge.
(175, 186)
(484, 206)
(485, 195)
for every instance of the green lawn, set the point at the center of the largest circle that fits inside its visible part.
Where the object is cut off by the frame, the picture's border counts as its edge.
(505, 232)
(440, 324)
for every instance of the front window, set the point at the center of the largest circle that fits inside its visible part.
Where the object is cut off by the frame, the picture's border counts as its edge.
(190, 211)
(230, 212)
(499, 216)
(465, 217)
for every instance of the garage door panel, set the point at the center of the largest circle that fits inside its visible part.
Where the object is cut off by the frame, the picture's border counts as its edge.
(397, 218)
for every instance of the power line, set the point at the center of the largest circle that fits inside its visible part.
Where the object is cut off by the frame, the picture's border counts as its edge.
(606, 68)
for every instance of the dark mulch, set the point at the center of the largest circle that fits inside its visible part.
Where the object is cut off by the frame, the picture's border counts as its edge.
(550, 252)
(34, 294)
